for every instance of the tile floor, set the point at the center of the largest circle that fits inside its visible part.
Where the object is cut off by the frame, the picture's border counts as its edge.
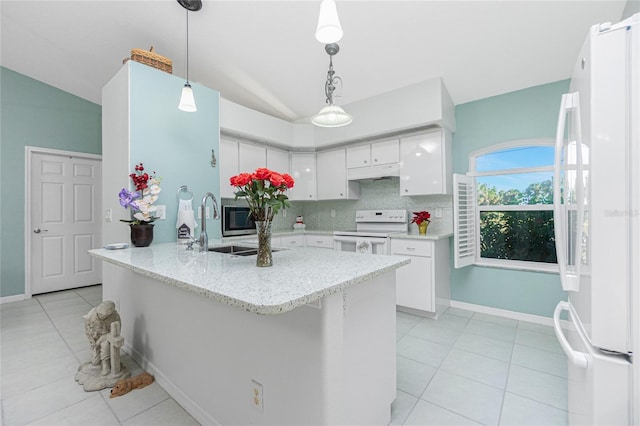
(465, 368)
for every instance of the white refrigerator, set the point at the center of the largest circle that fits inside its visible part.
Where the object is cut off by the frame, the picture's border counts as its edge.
(597, 225)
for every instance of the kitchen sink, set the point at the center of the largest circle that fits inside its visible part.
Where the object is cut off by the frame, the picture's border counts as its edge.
(236, 250)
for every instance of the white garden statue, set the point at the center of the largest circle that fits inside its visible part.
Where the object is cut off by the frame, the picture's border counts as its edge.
(102, 327)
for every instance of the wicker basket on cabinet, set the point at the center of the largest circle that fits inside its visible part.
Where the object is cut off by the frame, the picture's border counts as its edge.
(148, 57)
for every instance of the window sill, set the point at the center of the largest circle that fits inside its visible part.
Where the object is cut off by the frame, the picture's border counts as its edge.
(546, 268)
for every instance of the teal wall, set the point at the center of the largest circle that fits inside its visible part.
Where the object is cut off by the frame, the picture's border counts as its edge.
(524, 114)
(35, 114)
(174, 143)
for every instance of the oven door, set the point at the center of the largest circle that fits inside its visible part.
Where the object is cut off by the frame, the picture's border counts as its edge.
(367, 245)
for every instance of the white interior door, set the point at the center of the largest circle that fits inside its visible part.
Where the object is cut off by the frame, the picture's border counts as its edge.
(64, 204)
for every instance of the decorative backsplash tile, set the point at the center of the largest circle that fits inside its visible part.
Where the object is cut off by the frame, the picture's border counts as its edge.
(374, 195)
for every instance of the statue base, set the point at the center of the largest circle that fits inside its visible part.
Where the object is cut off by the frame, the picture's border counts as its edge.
(91, 378)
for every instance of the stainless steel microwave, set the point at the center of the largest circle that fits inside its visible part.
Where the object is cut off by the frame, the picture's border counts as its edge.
(237, 220)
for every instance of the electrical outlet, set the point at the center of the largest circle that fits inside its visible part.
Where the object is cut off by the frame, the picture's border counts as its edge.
(206, 213)
(284, 212)
(256, 395)
(108, 215)
(161, 212)
(438, 211)
(333, 213)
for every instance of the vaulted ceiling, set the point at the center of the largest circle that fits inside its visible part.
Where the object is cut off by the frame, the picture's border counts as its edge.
(263, 54)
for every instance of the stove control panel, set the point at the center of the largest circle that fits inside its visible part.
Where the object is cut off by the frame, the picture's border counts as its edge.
(381, 216)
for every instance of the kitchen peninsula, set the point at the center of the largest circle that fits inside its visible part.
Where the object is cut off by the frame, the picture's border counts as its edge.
(310, 340)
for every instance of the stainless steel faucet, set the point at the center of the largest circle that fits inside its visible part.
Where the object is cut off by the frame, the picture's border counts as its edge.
(204, 238)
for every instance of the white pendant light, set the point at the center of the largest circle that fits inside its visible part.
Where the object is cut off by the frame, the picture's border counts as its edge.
(187, 101)
(331, 115)
(329, 29)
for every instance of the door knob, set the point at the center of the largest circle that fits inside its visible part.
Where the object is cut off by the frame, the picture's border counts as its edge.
(38, 230)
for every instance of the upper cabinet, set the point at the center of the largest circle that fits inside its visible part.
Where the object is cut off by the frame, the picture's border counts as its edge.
(373, 160)
(384, 152)
(228, 160)
(278, 161)
(425, 163)
(303, 171)
(251, 157)
(332, 172)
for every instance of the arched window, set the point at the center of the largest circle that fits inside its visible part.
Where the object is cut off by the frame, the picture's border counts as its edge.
(504, 207)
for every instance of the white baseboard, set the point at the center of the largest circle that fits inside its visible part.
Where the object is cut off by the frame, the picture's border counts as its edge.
(16, 298)
(176, 393)
(536, 319)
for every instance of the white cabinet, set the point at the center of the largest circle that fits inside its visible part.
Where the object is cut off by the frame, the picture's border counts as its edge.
(319, 240)
(303, 171)
(383, 152)
(425, 163)
(359, 156)
(278, 161)
(423, 285)
(332, 173)
(289, 241)
(374, 160)
(251, 157)
(228, 161)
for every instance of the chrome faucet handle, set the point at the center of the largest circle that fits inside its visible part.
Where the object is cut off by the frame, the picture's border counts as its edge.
(191, 242)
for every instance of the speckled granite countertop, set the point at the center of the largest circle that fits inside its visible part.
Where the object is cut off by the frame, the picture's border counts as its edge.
(297, 277)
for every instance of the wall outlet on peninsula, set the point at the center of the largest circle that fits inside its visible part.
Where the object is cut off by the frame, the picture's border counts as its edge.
(256, 395)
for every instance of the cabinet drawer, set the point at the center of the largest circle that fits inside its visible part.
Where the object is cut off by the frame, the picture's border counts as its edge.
(412, 247)
(292, 241)
(322, 241)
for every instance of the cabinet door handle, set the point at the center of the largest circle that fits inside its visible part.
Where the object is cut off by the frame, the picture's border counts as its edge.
(411, 248)
(406, 190)
(375, 160)
(365, 161)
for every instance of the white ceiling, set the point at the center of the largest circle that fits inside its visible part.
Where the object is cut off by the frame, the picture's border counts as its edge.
(263, 54)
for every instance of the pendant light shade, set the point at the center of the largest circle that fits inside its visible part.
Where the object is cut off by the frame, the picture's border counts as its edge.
(331, 116)
(187, 102)
(329, 29)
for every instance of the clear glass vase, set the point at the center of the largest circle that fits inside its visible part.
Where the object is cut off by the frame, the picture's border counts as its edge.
(265, 257)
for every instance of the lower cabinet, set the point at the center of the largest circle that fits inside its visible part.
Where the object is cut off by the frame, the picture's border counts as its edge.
(423, 286)
(288, 241)
(318, 240)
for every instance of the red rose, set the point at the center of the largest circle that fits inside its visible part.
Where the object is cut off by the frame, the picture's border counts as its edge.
(276, 179)
(288, 180)
(240, 180)
(262, 174)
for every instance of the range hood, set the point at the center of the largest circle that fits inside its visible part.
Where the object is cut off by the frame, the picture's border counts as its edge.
(374, 172)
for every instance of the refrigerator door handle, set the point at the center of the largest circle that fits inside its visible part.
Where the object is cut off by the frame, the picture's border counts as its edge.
(577, 358)
(569, 282)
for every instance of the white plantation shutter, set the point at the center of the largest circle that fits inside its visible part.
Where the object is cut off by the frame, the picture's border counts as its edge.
(464, 220)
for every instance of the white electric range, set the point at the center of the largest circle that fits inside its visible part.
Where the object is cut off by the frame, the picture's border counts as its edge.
(373, 229)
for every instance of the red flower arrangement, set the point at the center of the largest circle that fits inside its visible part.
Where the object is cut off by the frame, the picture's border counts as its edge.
(419, 217)
(264, 191)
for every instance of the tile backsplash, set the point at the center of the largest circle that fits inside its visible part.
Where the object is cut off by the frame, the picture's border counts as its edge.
(379, 194)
